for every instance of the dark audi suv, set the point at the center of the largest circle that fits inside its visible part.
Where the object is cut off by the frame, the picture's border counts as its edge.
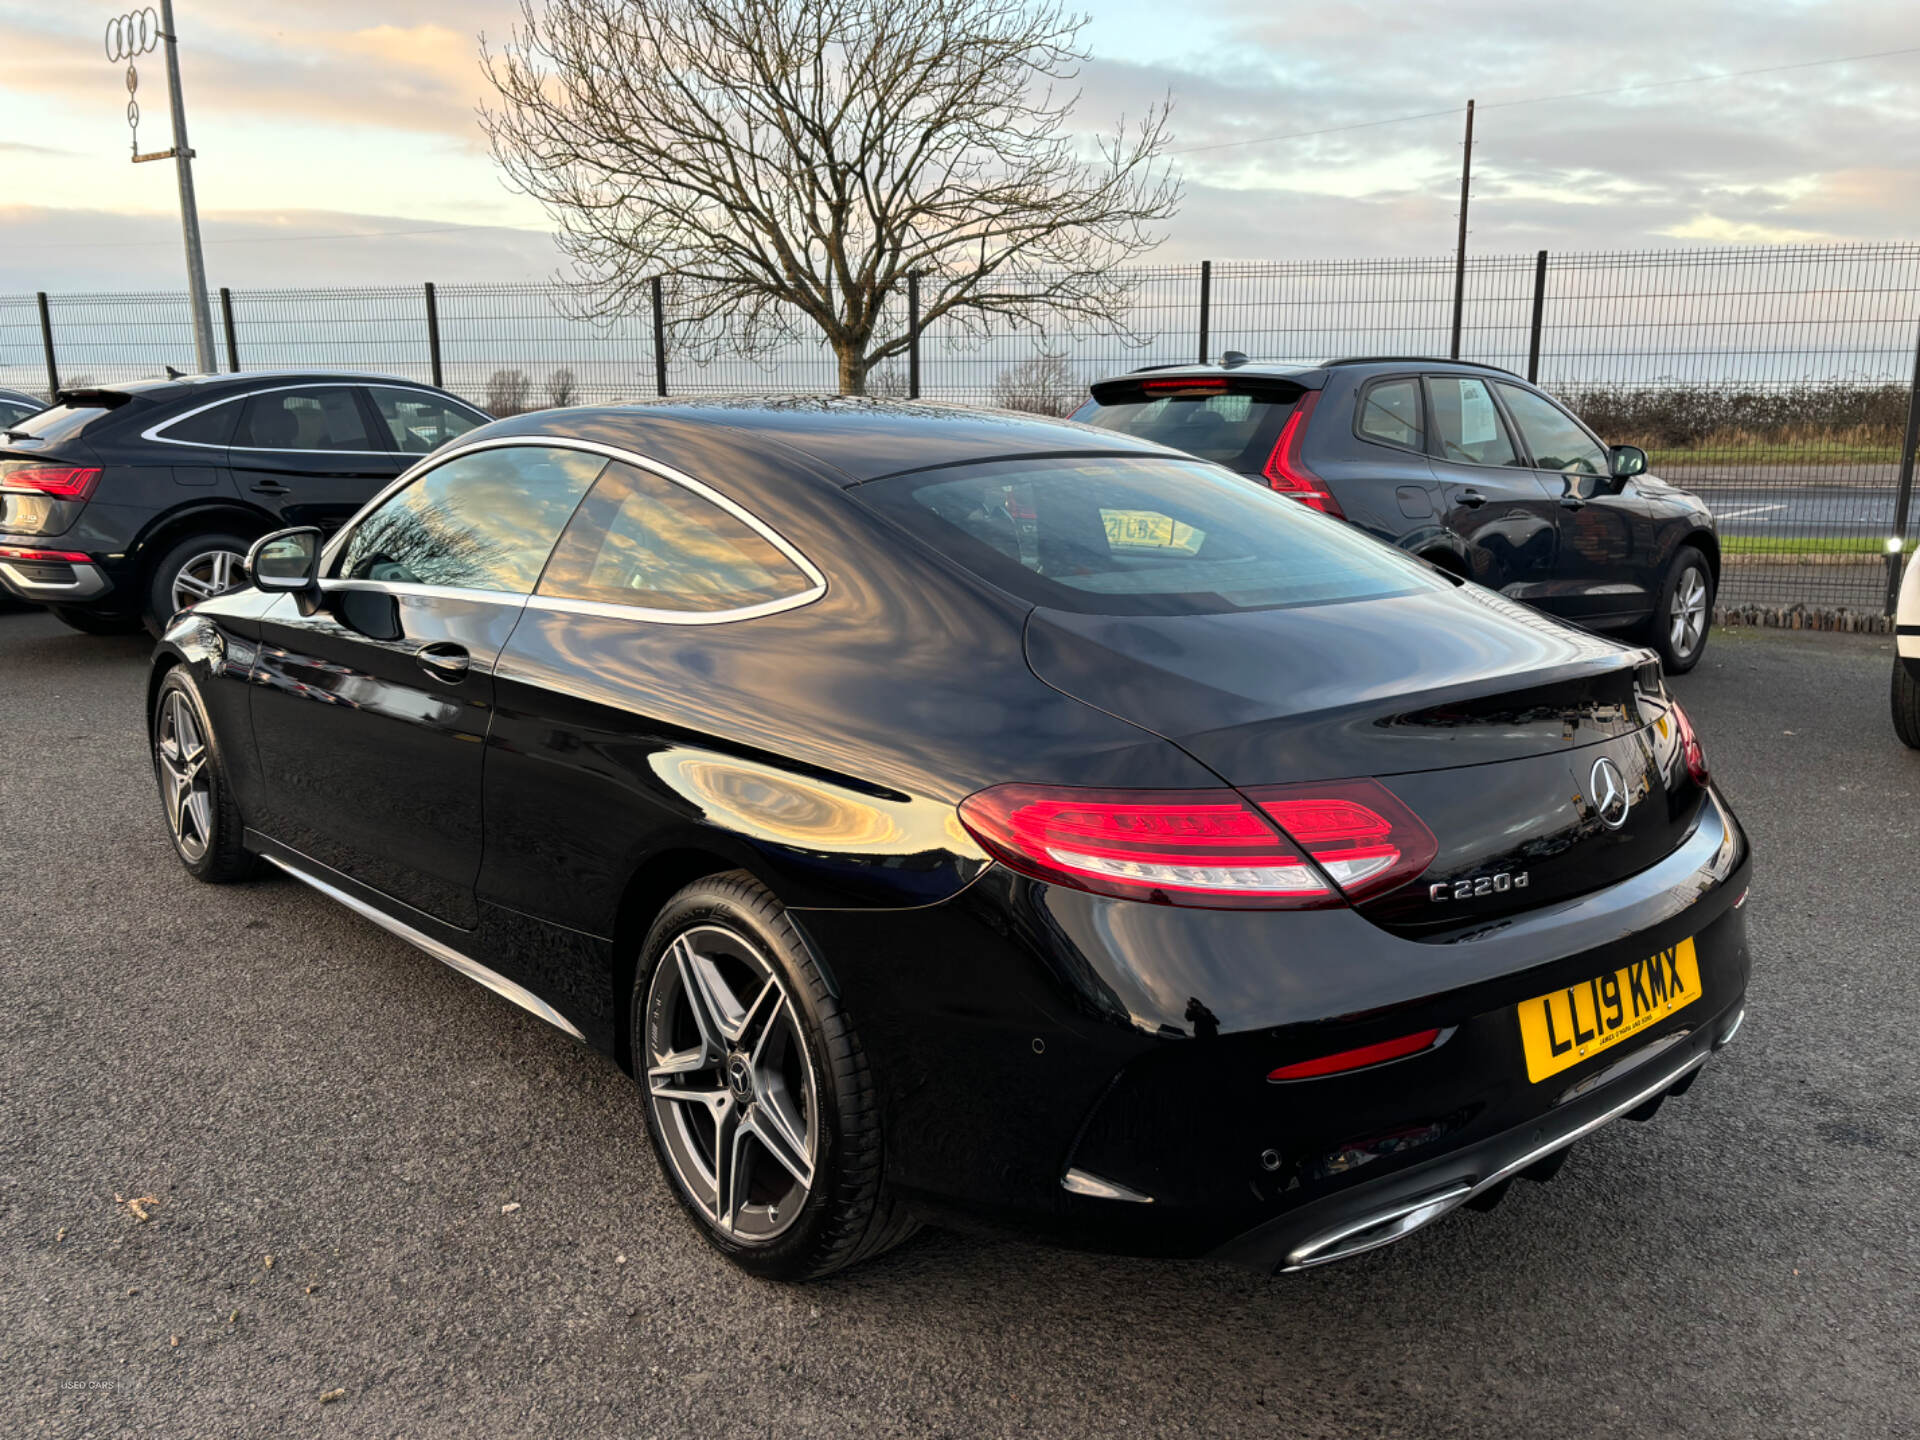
(123, 504)
(949, 815)
(1467, 466)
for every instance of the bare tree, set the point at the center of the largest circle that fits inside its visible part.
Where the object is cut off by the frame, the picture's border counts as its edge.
(562, 388)
(507, 392)
(788, 163)
(1044, 385)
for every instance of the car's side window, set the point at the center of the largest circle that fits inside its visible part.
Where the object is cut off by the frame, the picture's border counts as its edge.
(1390, 414)
(317, 417)
(1468, 424)
(212, 426)
(645, 541)
(486, 520)
(420, 422)
(1557, 440)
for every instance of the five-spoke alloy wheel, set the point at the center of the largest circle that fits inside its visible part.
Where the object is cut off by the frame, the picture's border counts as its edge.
(180, 757)
(730, 1083)
(759, 1099)
(201, 817)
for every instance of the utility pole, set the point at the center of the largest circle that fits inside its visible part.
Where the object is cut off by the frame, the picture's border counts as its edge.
(136, 33)
(1460, 252)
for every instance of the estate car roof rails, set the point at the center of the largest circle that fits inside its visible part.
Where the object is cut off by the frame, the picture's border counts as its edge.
(1417, 360)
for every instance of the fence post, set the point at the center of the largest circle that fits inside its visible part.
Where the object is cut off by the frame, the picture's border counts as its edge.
(226, 321)
(1539, 310)
(659, 338)
(1206, 305)
(913, 334)
(46, 341)
(1903, 501)
(433, 335)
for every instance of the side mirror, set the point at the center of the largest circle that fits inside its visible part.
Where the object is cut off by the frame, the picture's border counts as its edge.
(286, 562)
(1628, 461)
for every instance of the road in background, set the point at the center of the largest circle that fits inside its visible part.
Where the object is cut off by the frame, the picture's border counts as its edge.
(468, 1234)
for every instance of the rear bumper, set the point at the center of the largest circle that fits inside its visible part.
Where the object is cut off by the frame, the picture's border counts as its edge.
(1396, 1206)
(52, 582)
(1094, 1072)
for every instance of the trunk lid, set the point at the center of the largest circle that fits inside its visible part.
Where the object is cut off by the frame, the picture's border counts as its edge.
(1490, 721)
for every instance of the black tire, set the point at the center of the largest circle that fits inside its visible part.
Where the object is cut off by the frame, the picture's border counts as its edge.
(219, 856)
(92, 622)
(166, 570)
(1906, 703)
(848, 1214)
(1687, 574)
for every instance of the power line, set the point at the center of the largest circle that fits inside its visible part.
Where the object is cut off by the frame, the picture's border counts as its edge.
(1545, 99)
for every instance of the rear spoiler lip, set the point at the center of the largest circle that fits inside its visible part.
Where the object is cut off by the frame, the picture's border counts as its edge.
(1127, 386)
(93, 395)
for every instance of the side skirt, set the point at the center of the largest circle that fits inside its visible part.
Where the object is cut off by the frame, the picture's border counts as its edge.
(305, 872)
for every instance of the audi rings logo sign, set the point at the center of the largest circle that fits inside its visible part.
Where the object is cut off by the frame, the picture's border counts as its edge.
(131, 34)
(1609, 790)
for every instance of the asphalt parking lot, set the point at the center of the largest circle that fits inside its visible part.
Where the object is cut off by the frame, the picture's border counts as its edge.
(286, 1081)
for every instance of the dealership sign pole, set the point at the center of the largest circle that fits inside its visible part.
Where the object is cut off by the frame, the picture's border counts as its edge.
(138, 32)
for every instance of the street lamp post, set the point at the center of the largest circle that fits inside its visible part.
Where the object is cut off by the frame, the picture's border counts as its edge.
(137, 33)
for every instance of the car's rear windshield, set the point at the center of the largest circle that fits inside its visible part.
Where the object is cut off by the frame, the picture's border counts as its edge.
(1126, 535)
(1235, 428)
(61, 422)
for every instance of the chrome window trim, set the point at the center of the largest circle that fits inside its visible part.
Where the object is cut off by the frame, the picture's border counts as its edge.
(432, 592)
(559, 603)
(152, 432)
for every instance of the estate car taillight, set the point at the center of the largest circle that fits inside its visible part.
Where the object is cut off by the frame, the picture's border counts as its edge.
(63, 482)
(1207, 848)
(1288, 474)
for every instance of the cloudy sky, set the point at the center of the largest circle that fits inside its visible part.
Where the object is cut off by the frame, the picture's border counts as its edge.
(337, 141)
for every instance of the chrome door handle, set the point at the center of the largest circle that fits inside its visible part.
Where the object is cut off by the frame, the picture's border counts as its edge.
(1472, 499)
(271, 487)
(1572, 502)
(444, 662)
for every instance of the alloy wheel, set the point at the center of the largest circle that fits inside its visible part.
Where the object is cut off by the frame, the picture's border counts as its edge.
(730, 1083)
(1687, 612)
(186, 787)
(210, 573)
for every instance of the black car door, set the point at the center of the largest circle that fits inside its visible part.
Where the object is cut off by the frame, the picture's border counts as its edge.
(371, 713)
(1603, 573)
(311, 454)
(1489, 495)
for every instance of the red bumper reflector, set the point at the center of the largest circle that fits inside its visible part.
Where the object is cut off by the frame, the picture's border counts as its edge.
(1358, 1059)
(14, 552)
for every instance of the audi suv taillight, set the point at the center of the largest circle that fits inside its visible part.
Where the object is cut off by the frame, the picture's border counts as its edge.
(62, 482)
(1212, 849)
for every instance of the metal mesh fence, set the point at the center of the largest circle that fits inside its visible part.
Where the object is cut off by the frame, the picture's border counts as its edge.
(1775, 382)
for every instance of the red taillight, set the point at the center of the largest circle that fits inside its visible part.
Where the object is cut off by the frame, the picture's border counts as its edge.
(15, 552)
(1287, 473)
(1196, 382)
(1690, 750)
(1358, 1059)
(1358, 831)
(1205, 848)
(63, 482)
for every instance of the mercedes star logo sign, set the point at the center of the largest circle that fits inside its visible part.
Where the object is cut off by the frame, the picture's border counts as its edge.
(1609, 789)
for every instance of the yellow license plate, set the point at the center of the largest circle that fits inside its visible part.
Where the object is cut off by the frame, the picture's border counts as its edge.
(1562, 1029)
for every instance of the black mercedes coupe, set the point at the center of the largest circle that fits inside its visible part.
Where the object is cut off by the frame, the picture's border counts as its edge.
(962, 817)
